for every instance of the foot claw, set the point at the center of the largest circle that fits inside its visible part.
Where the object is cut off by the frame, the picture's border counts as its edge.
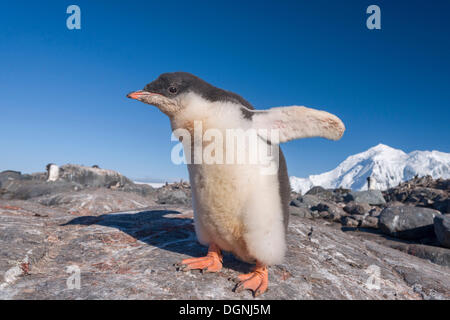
(211, 263)
(256, 281)
(179, 266)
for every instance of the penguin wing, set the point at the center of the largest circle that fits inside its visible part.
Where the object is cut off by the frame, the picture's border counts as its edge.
(296, 122)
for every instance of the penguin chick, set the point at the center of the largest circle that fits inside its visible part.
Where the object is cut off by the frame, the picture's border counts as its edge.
(238, 207)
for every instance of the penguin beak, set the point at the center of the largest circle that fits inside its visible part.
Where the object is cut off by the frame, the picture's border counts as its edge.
(137, 94)
(141, 95)
(158, 100)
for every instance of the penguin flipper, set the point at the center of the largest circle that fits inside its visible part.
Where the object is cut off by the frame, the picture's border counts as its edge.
(296, 122)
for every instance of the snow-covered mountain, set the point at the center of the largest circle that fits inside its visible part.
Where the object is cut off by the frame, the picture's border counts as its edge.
(388, 166)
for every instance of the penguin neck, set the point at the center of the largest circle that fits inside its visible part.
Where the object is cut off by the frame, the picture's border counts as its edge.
(219, 115)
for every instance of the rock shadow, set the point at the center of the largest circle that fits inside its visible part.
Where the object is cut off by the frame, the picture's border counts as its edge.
(161, 229)
(426, 240)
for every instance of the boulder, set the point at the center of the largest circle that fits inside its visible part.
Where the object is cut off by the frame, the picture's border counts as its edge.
(92, 177)
(350, 221)
(140, 189)
(321, 193)
(329, 195)
(26, 189)
(173, 197)
(14, 185)
(341, 191)
(9, 175)
(296, 203)
(95, 201)
(357, 208)
(373, 197)
(408, 222)
(430, 252)
(315, 214)
(369, 222)
(394, 204)
(316, 190)
(375, 212)
(434, 254)
(324, 214)
(329, 210)
(442, 229)
(300, 212)
(306, 201)
(442, 204)
(425, 192)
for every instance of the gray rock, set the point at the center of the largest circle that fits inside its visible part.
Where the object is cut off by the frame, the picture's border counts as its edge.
(340, 194)
(434, 254)
(9, 175)
(22, 243)
(14, 185)
(429, 252)
(173, 197)
(315, 214)
(373, 197)
(361, 221)
(442, 204)
(130, 255)
(424, 196)
(335, 216)
(297, 203)
(321, 193)
(92, 177)
(394, 204)
(424, 192)
(26, 189)
(328, 195)
(442, 229)
(306, 201)
(357, 208)
(329, 207)
(324, 214)
(300, 212)
(140, 189)
(95, 201)
(329, 210)
(350, 221)
(408, 222)
(317, 190)
(369, 222)
(375, 212)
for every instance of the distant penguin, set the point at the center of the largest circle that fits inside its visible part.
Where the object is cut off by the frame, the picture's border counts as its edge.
(237, 207)
(371, 183)
(52, 172)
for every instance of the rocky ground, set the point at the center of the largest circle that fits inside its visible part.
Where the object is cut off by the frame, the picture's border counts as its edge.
(413, 217)
(96, 235)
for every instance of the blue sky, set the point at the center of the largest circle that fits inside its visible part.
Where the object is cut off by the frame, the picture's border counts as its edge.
(62, 92)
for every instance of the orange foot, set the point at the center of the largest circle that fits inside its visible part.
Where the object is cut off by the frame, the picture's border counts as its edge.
(211, 263)
(257, 281)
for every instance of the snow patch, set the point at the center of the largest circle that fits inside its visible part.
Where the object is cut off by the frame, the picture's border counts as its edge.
(388, 166)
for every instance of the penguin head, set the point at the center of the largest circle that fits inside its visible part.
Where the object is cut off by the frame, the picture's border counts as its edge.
(168, 90)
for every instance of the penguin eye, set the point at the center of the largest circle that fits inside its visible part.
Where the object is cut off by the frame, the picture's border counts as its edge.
(173, 89)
